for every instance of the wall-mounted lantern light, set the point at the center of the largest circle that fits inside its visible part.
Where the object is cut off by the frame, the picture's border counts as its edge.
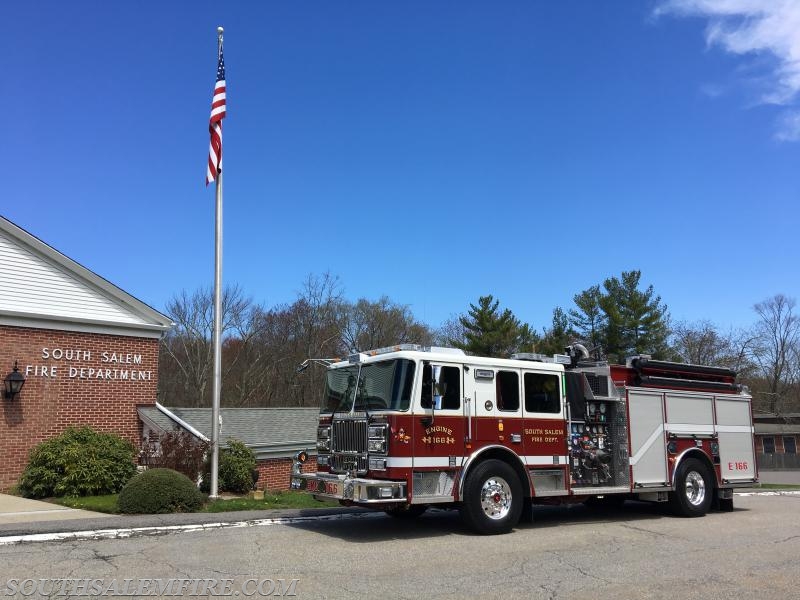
(13, 382)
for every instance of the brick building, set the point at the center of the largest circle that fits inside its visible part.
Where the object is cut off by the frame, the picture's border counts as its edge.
(777, 438)
(273, 434)
(87, 349)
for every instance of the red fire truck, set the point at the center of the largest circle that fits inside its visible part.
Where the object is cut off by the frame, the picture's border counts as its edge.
(408, 427)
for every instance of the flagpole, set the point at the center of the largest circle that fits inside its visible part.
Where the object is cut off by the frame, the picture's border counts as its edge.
(217, 327)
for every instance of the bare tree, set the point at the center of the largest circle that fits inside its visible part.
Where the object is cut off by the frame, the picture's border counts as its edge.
(451, 333)
(701, 343)
(186, 358)
(381, 323)
(776, 351)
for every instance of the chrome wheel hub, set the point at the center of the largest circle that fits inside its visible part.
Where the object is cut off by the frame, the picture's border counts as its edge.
(695, 488)
(496, 498)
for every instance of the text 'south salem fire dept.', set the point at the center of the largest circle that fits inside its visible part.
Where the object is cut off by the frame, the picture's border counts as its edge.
(408, 427)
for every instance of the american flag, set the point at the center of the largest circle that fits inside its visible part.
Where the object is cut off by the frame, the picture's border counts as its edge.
(215, 123)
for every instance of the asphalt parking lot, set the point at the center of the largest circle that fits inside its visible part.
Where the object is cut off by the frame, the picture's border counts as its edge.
(639, 551)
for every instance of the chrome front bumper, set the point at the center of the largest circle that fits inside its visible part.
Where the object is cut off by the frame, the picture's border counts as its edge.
(354, 489)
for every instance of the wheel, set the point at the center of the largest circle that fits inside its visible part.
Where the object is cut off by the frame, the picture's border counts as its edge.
(493, 498)
(406, 511)
(694, 489)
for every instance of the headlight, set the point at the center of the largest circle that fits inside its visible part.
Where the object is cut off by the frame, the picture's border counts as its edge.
(377, 438)
(324, 437)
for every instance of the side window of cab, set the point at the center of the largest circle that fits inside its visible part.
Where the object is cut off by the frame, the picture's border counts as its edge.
(542, 393)
(451, 384)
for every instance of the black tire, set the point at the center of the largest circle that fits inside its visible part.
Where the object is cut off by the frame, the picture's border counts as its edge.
(406, 511)
(493, 499)
(694, 489)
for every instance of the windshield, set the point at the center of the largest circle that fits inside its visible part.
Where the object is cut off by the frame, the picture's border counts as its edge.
(378, 386)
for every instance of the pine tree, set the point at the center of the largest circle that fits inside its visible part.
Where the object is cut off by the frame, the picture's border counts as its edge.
(589, 320)
(621, 319)
(559, 336)
(489, 332)
(636, 320)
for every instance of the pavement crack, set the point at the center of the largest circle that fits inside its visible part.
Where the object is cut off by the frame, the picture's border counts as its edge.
(648, 531)
(789, 539)
(579, 569)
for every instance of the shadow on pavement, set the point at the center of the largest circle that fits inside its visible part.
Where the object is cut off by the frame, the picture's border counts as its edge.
(376, 527)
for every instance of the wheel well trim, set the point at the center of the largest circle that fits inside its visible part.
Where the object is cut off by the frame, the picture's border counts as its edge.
(472, 460)
(694, 453)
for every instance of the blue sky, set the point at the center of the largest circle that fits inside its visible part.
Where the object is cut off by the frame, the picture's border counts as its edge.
(430, 151)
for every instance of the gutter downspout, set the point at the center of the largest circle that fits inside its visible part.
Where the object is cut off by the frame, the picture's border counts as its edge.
(182, 423)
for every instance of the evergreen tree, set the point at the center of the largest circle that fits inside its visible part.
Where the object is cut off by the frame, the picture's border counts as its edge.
(490, 332)
(589, 320)
(559, 336)
(636, 320)
(527, 339)
(622, 319)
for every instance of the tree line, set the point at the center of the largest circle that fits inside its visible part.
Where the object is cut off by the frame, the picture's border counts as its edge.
(262, 347)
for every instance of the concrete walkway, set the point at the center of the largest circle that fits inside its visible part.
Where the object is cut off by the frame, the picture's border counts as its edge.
(14, 509)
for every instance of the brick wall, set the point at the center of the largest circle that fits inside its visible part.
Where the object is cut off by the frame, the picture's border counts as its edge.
(274, 473)
(72, 379)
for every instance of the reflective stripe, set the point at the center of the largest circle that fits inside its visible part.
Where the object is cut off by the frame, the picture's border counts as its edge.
(689, 428)
(421, 461)
(734, 429)
(545, 460)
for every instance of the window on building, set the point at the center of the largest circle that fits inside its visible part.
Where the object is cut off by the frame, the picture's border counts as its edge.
(769, 445)
(451, 380)
(789, 444)
(507, 390)
(542, 393)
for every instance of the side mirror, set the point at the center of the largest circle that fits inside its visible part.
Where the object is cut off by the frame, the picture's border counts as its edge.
(437, 389)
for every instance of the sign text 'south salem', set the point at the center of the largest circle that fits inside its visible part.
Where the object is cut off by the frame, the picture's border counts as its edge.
(75, 363)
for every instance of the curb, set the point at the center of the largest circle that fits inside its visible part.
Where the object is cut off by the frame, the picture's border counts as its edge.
(126, 532)
(153, 524)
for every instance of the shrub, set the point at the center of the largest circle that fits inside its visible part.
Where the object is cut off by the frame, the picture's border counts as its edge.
(159, 491)
(180, 451)
(79, 462)
(236, 466)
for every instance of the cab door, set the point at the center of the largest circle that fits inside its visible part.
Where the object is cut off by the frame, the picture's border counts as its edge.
(497, 412)
(545, 434)
(438, 429)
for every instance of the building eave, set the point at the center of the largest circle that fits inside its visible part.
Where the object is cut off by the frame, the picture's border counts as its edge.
(43, 321)
(152, 317)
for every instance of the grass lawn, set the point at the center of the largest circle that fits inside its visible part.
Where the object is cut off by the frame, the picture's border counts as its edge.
(778, 486)
(104, 504)
(288, 499)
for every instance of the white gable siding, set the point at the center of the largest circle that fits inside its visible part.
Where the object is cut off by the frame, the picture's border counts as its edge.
(36, 286)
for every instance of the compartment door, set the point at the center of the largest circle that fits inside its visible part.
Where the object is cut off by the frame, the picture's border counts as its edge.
(648, 441)
(735, 431)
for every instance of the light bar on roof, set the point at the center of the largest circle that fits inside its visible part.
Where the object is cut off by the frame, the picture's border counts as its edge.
(358, 357)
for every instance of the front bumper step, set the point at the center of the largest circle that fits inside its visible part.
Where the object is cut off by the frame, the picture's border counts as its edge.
(353, 489)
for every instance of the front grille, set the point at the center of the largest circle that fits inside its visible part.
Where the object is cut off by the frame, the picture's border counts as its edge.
(349, 435)
(349, 446)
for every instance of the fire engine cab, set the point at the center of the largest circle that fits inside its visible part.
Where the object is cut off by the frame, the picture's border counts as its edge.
(408, 427)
